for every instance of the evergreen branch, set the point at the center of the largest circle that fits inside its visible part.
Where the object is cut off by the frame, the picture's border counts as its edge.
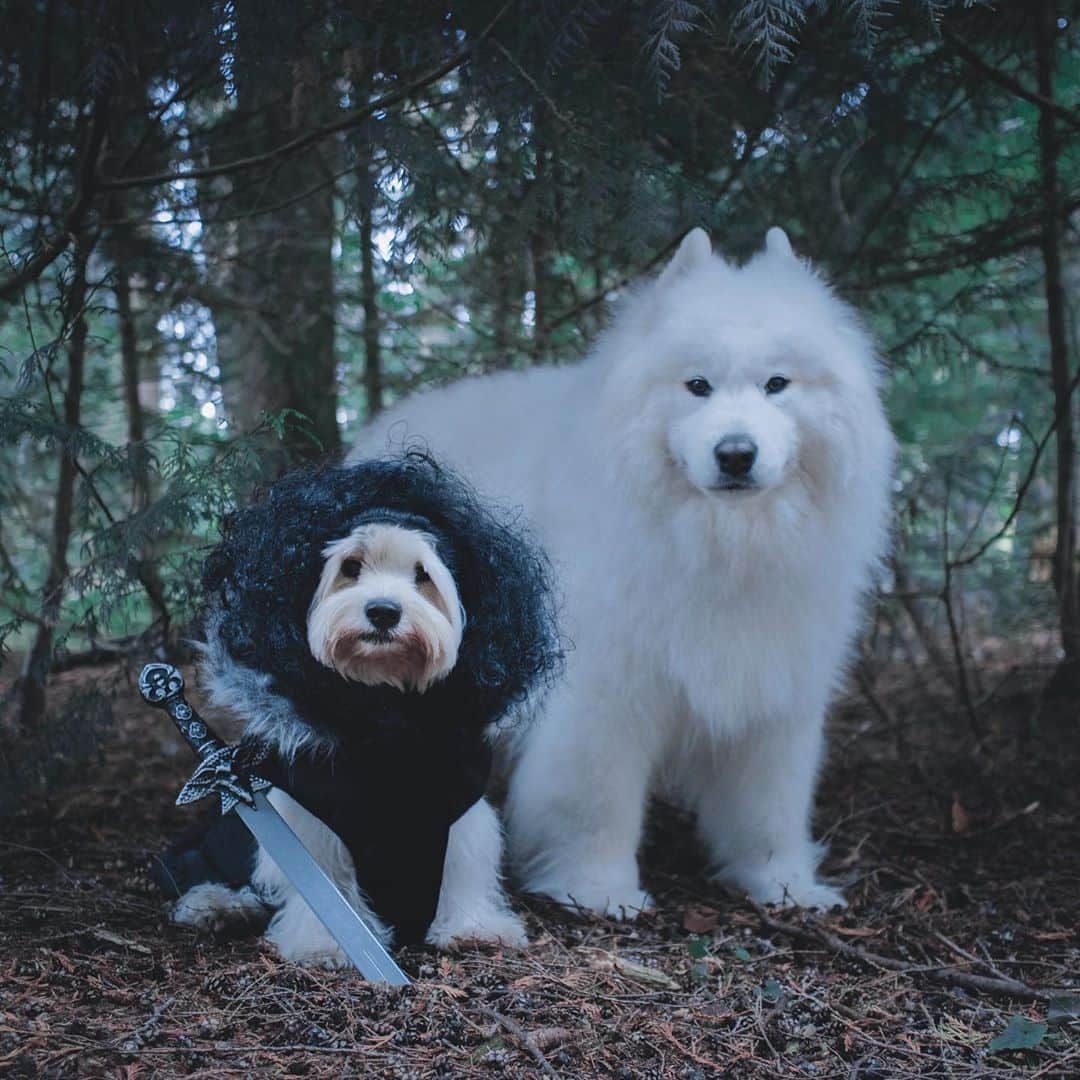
(602, 294)
(1021, 492)
(598, 297)
(198, 81)
(571, 30)
(772, 26)
(54, 248)
(664, 56)
(1007, 82)
(546, 98)
(302, 142)
(994, 241)
(881, 212)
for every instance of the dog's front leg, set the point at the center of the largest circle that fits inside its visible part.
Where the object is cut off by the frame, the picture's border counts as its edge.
(754, 811)
(295, 929)
(577, 803)
(472, 904)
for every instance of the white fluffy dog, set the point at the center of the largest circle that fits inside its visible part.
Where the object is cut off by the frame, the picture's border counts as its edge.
(713, 485)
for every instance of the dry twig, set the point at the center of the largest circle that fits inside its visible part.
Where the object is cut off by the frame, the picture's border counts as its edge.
(519, 1033)
(950, 976)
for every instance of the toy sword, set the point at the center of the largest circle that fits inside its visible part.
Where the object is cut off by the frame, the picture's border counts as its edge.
(227, 771)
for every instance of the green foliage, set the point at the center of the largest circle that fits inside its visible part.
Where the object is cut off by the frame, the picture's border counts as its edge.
(670, 18)
(773, 26)
(199, 479)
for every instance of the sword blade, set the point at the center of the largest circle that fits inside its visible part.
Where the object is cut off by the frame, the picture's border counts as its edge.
(324, 898)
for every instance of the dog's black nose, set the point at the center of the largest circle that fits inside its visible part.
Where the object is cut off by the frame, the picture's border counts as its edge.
(735, 455)
(383, 614)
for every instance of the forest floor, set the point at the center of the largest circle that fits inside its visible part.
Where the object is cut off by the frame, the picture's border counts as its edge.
(958, 957)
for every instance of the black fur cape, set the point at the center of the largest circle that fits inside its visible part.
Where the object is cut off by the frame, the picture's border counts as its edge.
(388, 771)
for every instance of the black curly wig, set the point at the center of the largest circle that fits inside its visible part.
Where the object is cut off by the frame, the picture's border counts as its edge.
(260, 580)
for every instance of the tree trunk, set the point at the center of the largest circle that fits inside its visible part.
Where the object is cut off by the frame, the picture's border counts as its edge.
(502, 275)
(1065, 569)
(145, 570)
(129, 358)
(272, 296)
(925, 634)
(538, 242)
(32, 681)
(121, 247)
(503, 331)
(373, 376)
(538, 253)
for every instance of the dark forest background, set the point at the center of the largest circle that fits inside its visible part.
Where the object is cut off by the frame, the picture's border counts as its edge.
(231, 232)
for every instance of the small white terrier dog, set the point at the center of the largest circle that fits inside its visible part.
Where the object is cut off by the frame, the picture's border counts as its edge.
(386, 612)
(713, 486)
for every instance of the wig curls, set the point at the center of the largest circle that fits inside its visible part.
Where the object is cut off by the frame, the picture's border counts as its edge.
(260, 580)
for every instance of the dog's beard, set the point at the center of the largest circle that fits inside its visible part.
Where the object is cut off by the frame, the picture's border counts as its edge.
(419, 651)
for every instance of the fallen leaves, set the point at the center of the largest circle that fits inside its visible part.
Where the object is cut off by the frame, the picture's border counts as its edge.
(700, 919)
(115, 939)
(959, 818)
(600, 960)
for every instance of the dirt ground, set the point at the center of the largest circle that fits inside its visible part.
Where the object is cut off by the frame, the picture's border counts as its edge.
(963, 872)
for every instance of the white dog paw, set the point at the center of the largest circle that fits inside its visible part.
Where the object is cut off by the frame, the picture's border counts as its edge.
(213, 907)
(502, 927)
(625, 903)
(813, 895)
(311, 950)
(298, 936)
(822, 897)
(332, 958)
(769, 885)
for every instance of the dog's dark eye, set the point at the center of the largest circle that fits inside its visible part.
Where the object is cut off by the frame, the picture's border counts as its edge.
(776, 384)
(351, 568)
(421, 574)
(698, 386)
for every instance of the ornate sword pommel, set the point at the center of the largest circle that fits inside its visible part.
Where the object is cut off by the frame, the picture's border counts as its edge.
(162, 686)
(224, 769)
(159, 682)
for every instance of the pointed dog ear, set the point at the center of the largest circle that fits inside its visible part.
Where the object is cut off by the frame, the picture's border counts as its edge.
(777, 243)
(695, 249)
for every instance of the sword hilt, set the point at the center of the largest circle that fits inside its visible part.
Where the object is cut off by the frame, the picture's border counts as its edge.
(223, 770)
(162, 686)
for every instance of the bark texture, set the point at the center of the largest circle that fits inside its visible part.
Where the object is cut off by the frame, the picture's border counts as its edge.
(32, 682)
(1065, 568)
(272, 286)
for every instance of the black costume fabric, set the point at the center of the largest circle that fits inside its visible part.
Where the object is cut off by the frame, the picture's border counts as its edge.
(388, 771)
(222, 851)
(392, 798)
